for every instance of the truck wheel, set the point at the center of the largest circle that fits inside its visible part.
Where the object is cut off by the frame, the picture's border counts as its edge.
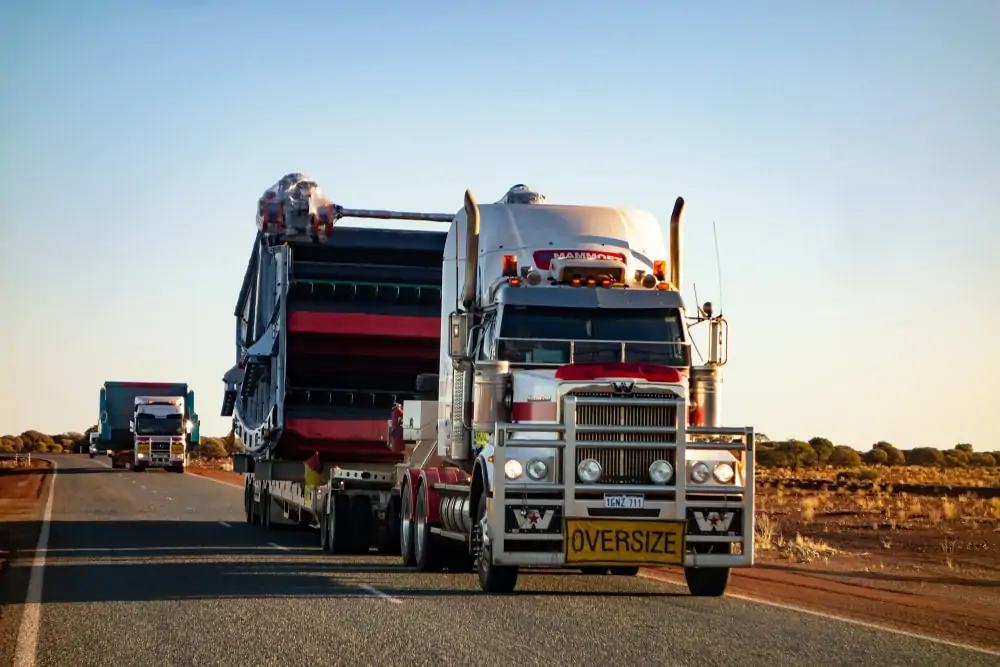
(492, 578)
(388, 535)
(360, 521)
(629, 571)
(324, 531)
(594, 570)
(709, 582)
(406, 526)
(92, 455)
(265, 509)
(427, 551)
(247, 497)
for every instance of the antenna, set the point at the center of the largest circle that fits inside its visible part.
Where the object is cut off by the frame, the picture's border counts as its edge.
(718, 265)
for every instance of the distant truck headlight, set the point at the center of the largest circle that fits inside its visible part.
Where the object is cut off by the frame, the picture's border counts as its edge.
(589, 470)
(512, 469)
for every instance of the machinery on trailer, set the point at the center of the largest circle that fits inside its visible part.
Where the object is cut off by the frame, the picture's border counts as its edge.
(119, 409)
(564, 363)
(333, 333)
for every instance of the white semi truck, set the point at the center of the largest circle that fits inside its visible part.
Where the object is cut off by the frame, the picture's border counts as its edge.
(160, 429)
(567, 425)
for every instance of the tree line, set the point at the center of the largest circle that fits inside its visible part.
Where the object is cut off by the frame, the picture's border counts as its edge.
(43, 443)
(792, 454)
(818, 452)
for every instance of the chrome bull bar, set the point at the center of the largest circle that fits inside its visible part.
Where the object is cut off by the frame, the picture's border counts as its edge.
(559, 443)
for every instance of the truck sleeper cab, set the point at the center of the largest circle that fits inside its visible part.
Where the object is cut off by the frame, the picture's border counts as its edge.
(571, 396)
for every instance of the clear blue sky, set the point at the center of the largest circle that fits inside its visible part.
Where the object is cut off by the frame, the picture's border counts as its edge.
(849, 153)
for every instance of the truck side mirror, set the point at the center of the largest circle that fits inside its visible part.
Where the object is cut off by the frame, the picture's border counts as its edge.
(458, 336)
(131, 426)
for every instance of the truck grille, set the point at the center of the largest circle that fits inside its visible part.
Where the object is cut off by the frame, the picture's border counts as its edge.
(625, 465)
(160, 448)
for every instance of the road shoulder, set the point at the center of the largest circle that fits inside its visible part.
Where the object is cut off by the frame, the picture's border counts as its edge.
(22, 494)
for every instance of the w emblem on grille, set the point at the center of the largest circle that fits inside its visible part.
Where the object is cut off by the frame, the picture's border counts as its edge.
(623, 387)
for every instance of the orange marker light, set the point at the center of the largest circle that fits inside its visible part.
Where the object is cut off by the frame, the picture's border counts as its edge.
(509, 265)
(605, 282)
(663, 286)
(591, 282)
(514, 282)
(660, 269)
(575, 282)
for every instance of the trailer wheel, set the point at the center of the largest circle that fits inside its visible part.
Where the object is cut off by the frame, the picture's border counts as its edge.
(265, 509)
(406, 526)
(625, 571)
(388, 535)
(360, 522)
(492, 578)
(247, 498)
(427, 551)
(324, 531)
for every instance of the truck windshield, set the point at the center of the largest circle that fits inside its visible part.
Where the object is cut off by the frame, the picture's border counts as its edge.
(531, 335)
(166, 425)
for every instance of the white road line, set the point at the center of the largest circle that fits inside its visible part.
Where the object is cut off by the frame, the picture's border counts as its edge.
(142, 486)
(844, 619)
(376, 592)
(278, 546)
(217, 481)
(27, 634)
(223, 523)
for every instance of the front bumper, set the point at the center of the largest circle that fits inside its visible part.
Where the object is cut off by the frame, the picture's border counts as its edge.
(707, 525)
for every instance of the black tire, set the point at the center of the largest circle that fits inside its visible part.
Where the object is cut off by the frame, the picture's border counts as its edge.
(248, 502)
(338, 525)
(406, 527)
(265, 509)
(360, 521)
(427, 385)
(707, 582)
(388, 542)
(625, 571)
(427, 551)
(493, 579)
(324, 531)
(91, 455)
(594, 570)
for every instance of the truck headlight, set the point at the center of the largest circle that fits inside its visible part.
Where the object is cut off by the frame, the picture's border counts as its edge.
(724, 473)
(661, 472)
(537, 469)
(700, 473)
(512, 469)
(589, 470)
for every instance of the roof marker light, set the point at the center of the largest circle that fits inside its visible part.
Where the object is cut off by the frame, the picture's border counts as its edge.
(509, 266)
(660, 269)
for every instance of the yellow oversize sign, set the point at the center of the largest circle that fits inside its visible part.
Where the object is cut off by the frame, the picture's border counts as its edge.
(612, 542)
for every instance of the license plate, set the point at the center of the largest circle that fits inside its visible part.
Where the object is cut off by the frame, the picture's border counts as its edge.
(630, 501)
(613, 542)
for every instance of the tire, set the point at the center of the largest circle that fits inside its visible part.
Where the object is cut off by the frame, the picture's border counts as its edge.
(427, 551)
(324, 531)
(707, 582)
(388, 542)
(247, 501)
(625, 571)
(406, 527)
(493, 579)
(92, 455)
(594, 570)
(360, 522)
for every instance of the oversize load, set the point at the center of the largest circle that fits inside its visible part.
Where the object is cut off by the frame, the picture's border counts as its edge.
(612, 542)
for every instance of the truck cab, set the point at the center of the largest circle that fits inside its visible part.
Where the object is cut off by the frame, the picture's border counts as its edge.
(92, 445)
(159, 429)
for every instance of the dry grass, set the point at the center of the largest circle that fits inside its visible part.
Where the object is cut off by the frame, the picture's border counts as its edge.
(931, 476)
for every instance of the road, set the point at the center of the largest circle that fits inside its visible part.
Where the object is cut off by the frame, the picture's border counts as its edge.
(157, 569)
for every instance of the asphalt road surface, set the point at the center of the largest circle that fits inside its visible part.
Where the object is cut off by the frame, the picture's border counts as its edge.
(156, 569)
